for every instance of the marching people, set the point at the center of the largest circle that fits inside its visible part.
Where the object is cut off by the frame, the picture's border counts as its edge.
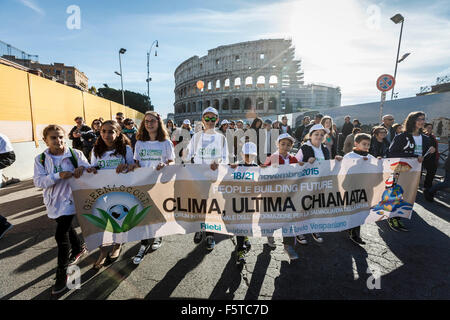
(284, 127)
(119, 119)
(349, 140)
(52, 170)
(410, 143)
(7, 158)
(317, 120)
(208, 147)
(299, 131)
(112, 151)
(76, 134)
(153, 149)
(431, 162)
(130, 131)
(388, 121)
(313, 150)
(330, 140)
(282, 156)
(429, 193)
(90, 137)
(361, 150)
(347, 128)
(398, 128)
(249, 154)
(379, 144)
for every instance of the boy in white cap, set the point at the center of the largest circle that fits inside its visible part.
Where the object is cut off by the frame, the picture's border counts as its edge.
(284, 142)
(313, 150)
(208, 147)
(249, 154)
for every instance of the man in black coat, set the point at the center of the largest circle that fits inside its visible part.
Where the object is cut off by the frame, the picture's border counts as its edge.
(76, 132)
(388, 121)
(347, 128)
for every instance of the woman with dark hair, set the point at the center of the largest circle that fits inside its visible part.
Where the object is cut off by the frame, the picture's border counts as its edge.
(356, 123)
(398, 128)
(410, 144)
(379, 145)
(257, 125)
(90, 137)
(330, 140)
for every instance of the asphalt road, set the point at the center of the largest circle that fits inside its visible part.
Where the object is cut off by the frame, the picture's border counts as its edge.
(405, 265)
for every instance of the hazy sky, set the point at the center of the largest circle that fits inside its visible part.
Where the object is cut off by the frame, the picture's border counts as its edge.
(347, 43)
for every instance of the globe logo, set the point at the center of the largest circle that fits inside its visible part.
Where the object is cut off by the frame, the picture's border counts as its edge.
(118, 211)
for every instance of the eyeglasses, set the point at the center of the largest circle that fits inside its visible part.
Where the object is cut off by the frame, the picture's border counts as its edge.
(207, 119)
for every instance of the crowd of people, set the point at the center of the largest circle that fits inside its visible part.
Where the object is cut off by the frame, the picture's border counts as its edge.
(122, 146)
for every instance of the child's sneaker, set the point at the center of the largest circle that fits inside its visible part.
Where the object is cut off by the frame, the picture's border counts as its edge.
(61, 281)
(198, 236)
(141, 253)
(240, 257)
(301, 239)
(247, 244)
(290, 252)
(317, 237)
(271, 242)
(393, 224)
(401, 226)
(74, 258)
(210, 243)
(157, 243)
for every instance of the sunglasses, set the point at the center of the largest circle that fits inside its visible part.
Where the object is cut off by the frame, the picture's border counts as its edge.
(207, 119)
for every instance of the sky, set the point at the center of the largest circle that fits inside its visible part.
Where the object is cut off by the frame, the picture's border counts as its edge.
(345, 43)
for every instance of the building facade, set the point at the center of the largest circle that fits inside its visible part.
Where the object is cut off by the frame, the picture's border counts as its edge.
(244, 80)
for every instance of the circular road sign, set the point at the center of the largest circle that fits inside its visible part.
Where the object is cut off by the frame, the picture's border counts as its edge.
(385, 82)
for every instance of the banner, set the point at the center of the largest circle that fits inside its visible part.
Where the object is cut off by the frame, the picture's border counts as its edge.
(327, 196)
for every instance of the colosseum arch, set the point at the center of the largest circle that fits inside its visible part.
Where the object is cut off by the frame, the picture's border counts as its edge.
(188, 109)
(237, 83)
(194, 107)
(217, 85)
(247, 104)
(272, 103)
(249, 82)
(216, 104)
(209, 86)
(227, 84)
(236, 104)
(208, 103)
(273, 81)
(260, 104)
(225, 105)
(261, 82)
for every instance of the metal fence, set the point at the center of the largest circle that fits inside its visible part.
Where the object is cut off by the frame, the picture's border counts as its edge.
(7, 51)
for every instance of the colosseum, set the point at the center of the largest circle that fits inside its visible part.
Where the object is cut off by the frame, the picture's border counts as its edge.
(244, 80)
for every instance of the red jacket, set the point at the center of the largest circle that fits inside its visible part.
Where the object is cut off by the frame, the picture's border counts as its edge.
(270, 159)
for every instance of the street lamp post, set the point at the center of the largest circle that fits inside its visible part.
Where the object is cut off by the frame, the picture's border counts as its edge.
(121, 51)
(148, 67)
(397, 19)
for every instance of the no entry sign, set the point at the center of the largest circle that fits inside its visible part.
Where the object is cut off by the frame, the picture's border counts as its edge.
(385, 82)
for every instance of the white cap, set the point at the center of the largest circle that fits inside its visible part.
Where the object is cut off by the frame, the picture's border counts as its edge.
(285, 136)
(249, 148)
(212, 110)
(225, 121)
(186, 121)
(318, 127)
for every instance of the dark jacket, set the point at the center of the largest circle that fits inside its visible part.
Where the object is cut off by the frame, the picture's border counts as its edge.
(403, 146)
(308, 152)
(131, 134)
(299, 132)
(7, 159)
(379, 149)
(347, 129)
(289, 130)
(77, 143)
(391, 132)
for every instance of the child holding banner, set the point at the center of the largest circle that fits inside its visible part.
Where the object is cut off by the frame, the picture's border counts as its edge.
(282, 156)
(207, 147)
(153, 149)
(313, 150)
(112, 150)
(52, 170)
(411, 143)
(249, 154)
(361, 150)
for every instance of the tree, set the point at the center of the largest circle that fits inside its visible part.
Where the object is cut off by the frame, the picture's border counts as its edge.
(134, 100)
(93, 90)
(439, 128)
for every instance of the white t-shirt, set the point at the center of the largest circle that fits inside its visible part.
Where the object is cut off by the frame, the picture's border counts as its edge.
(5, 146)
(353, 155)
(206, 148)
(151, 153)
(418, 147)
(110, 161)
(318, 153)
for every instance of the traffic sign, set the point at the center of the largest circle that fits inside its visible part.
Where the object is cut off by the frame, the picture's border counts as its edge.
(385, 82)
